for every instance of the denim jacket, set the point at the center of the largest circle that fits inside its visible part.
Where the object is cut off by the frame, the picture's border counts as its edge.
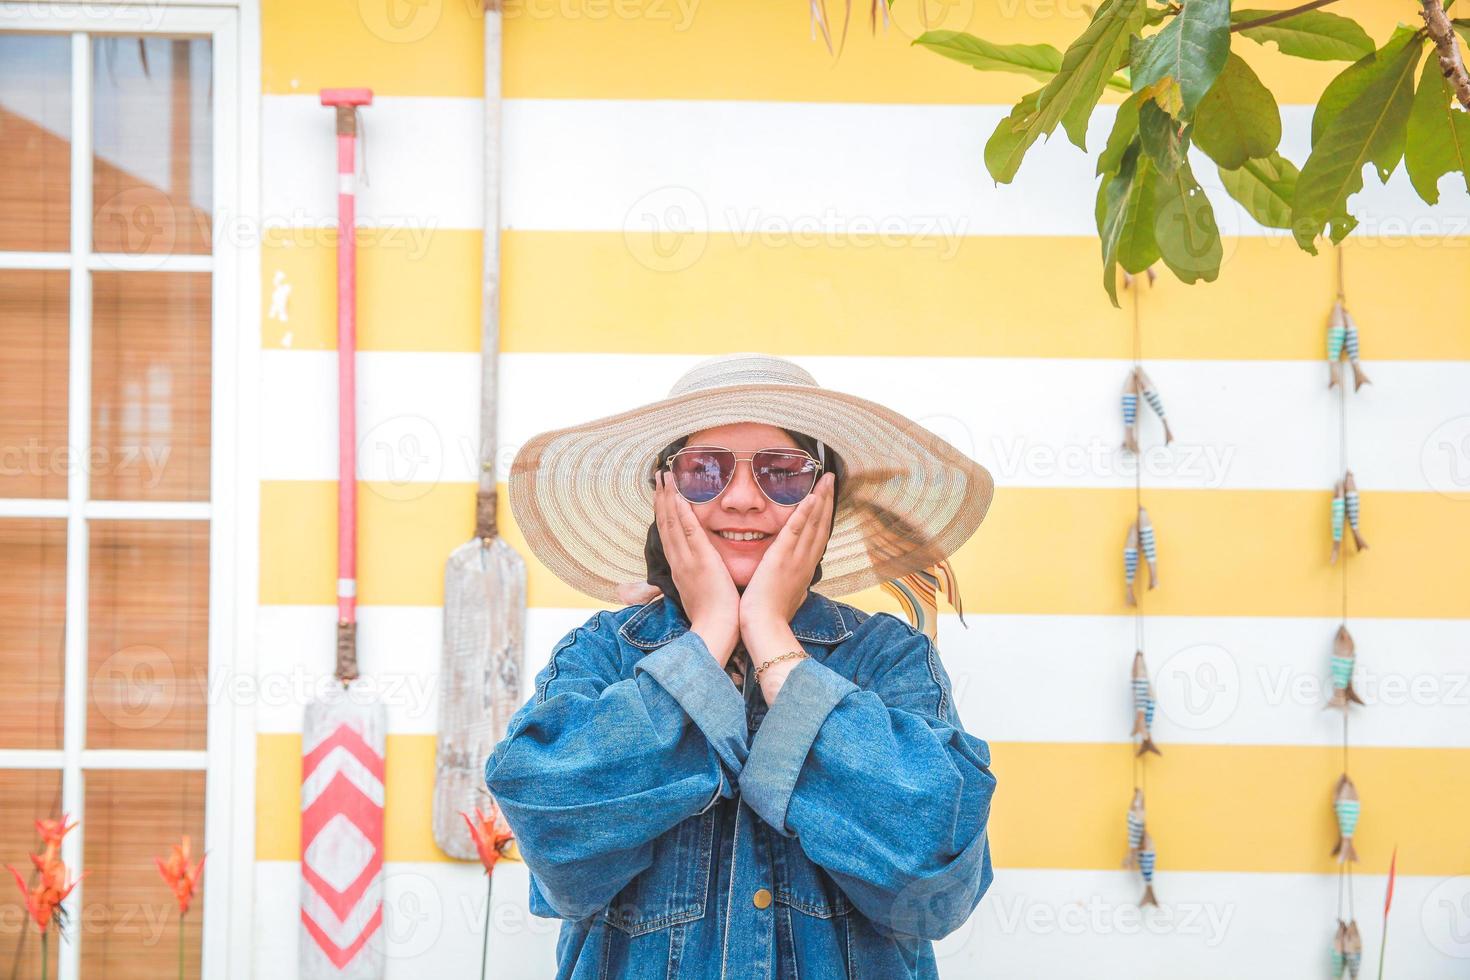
(683, 829)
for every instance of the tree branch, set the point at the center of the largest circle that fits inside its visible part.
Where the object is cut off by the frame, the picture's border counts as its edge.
(1450, 63)
(1283, 14)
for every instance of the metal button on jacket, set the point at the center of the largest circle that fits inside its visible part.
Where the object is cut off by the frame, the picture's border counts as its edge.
(762, 898)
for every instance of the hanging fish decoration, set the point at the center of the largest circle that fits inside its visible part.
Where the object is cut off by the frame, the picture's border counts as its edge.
(1342, 662)
(1339, 950)
(1350, 345)
(1336, 335)
(1130, 563)
(1353, 949)
(1150, 551)
(1350, 504)
(1143, 706)
(1151, 395)
(1339, 511)
(1345, 804)
(1146, 861)
(1135, 828)
(1130, 412)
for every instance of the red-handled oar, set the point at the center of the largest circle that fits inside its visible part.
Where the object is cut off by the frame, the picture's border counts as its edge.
(342, 736)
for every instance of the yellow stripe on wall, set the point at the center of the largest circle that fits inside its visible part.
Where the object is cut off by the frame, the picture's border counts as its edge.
(980, 296)
(418, 289)
(1061, 805)
(1040, 551)
(661, 49)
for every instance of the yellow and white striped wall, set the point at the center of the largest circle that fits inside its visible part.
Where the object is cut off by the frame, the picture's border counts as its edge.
(684, 178)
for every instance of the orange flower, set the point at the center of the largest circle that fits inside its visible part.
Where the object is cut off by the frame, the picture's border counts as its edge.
(52, 831)
(43, 902)
(491, 834)
(179, 876)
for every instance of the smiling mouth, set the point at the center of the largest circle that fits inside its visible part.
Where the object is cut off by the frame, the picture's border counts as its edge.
(745, 538)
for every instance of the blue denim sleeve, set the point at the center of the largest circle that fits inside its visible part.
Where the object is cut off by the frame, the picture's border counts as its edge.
(882, 787)
(595, 767)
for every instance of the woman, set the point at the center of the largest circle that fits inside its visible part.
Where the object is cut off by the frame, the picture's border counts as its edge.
(825, 814)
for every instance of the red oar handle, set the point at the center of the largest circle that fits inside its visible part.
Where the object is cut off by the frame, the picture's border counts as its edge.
(346, 101)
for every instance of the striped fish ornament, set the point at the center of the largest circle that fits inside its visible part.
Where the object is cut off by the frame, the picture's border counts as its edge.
(1151, 395)
(1146, 862)
(1336, 336)
(1342, 661)
(1353, 949)
(1347, 807)
(1135, 828)
(1150, 551)
(1350, 346)
(1130, 563)
(1339, 950)
(918, 594)
(1350, 502)
(1143, 706)
(1130, 412)
(1339, 510)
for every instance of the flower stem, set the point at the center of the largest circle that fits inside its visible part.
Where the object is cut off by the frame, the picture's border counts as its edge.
(181, 946)
(44, 973)
(485, 944)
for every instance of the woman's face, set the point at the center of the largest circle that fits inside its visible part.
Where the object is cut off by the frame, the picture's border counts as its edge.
(742, 507)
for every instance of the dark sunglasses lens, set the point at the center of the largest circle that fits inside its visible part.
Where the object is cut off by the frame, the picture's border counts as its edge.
(785, 477)
(700, 475)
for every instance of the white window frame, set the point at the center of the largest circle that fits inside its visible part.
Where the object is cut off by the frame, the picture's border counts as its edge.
(228, 760)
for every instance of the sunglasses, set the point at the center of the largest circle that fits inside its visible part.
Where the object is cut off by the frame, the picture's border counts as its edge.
(701, 473)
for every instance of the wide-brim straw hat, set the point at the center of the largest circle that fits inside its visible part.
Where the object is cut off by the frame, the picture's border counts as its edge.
(582, 496)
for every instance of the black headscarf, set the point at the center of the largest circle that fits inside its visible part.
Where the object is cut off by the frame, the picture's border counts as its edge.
(659, 573)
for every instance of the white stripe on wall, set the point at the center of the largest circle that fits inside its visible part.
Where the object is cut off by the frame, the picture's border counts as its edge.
(750, 168)
(1218, 680)
(1046, 422)
(1030, 923)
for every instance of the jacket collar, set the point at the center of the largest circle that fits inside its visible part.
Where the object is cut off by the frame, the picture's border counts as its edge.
(819, 620)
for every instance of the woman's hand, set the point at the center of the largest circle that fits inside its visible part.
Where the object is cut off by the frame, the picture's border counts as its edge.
(779, 584)
(705, 586)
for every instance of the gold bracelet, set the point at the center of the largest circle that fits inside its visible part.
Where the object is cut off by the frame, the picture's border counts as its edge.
(775, 660)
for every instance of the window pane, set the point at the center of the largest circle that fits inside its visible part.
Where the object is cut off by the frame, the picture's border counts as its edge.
(32, 617)
(33, 383)
(152, 184)
(150, 385)
(148, 634)
(130, 922)
(35, 142)
(24, 798)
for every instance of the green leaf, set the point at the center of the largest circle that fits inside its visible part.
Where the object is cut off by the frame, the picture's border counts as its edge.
(1369, 128)
(1127, 231)
(1192, 48)
(1314, 34)
(1348, 85)
(1087, 65)
(1008, 143)
(1438, 139)
(1265, 188)
(1237, 119)
(1125, 127)
(1162, 137)
(1040, 61)
(1462, 27)
(1184, 226)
